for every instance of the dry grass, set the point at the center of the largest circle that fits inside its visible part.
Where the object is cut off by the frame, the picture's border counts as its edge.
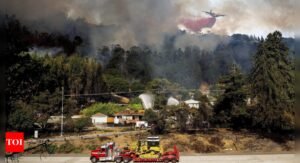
(220, 141)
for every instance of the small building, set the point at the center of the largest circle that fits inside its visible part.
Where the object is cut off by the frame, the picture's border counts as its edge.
(128, 117)
(100, 118)
(192, 103)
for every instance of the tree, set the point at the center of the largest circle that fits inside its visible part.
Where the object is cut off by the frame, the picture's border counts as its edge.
(22, 119)
(182, 114)
(45, 104)
(272, 85)
(203, 114)
(156, 120)
(232, 104)
(80, 124)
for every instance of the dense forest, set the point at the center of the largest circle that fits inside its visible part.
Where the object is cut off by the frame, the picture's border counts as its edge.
(243, 66)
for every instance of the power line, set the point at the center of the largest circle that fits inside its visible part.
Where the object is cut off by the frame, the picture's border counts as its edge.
(160, 91)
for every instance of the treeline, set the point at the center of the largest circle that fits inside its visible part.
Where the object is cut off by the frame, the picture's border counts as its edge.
(263, 100)
(189, 66)
(33, 83)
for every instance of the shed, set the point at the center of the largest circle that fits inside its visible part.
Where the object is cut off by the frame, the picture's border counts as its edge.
(99, 118)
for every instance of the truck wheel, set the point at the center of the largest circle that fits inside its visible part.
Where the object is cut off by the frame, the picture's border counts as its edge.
(166, 161)
(94, 160)
(118, 160)
(174, 161)
(126, 160)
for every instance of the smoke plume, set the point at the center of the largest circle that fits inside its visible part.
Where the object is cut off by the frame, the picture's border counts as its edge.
(135, 22)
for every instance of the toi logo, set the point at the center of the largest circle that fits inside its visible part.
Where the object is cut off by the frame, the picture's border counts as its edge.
(14, 142)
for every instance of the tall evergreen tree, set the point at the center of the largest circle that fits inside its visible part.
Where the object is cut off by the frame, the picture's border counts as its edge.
(230, 109)
(272, 82)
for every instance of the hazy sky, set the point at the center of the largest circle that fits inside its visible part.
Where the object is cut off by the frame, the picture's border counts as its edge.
(257, 17)
(147, 21)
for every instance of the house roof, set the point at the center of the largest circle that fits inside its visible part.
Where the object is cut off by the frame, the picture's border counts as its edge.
(77, 116)
(192, 101)
(99, 115)
(128, 112)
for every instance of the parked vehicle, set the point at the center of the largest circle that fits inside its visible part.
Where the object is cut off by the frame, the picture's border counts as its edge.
(109, 153)
(150, 152)
(141, 124)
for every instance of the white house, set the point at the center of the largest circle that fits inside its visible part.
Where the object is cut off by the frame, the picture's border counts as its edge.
(99, 118)
(192, 103)
(128, 117)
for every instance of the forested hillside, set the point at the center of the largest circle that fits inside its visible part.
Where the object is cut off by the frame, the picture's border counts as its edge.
(34, 78)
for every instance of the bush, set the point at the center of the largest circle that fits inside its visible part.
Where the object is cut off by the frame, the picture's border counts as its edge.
(104, 138)
(52, 148)
(211, 149)
(216, 140)
(104, 108)
(200, 147)
(80, 124)
(69, 125)
(78, 149)
(91, 146)
(109, 108)
(67, 147)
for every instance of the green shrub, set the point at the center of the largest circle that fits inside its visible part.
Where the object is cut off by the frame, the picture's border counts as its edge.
(67, 147)
(78, 149)
(52, 148)
(81, 123)
(104, 108)
(91, 146)
(108, 108)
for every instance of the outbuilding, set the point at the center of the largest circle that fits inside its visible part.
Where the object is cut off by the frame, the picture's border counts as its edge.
(99, 118)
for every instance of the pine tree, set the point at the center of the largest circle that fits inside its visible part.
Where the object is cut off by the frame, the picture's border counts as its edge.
(272, 82)
(230, 109)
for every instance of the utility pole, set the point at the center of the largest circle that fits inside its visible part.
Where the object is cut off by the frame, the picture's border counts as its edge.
(62, 112)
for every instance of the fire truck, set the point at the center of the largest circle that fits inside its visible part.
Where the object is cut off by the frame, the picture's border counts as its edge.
(109, 153)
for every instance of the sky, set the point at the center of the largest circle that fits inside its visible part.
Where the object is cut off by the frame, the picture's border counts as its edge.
(148, 21)
(253, 17)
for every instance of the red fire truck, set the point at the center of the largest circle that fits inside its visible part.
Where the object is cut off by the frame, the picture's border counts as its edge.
(109, 153)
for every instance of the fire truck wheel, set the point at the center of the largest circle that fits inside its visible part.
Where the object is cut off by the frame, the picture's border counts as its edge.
(126, 160)
(166, 161)
(94, 160)
(118, 160)
(174, 161)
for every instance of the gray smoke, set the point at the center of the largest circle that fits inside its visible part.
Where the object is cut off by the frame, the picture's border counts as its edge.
(135, 22)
